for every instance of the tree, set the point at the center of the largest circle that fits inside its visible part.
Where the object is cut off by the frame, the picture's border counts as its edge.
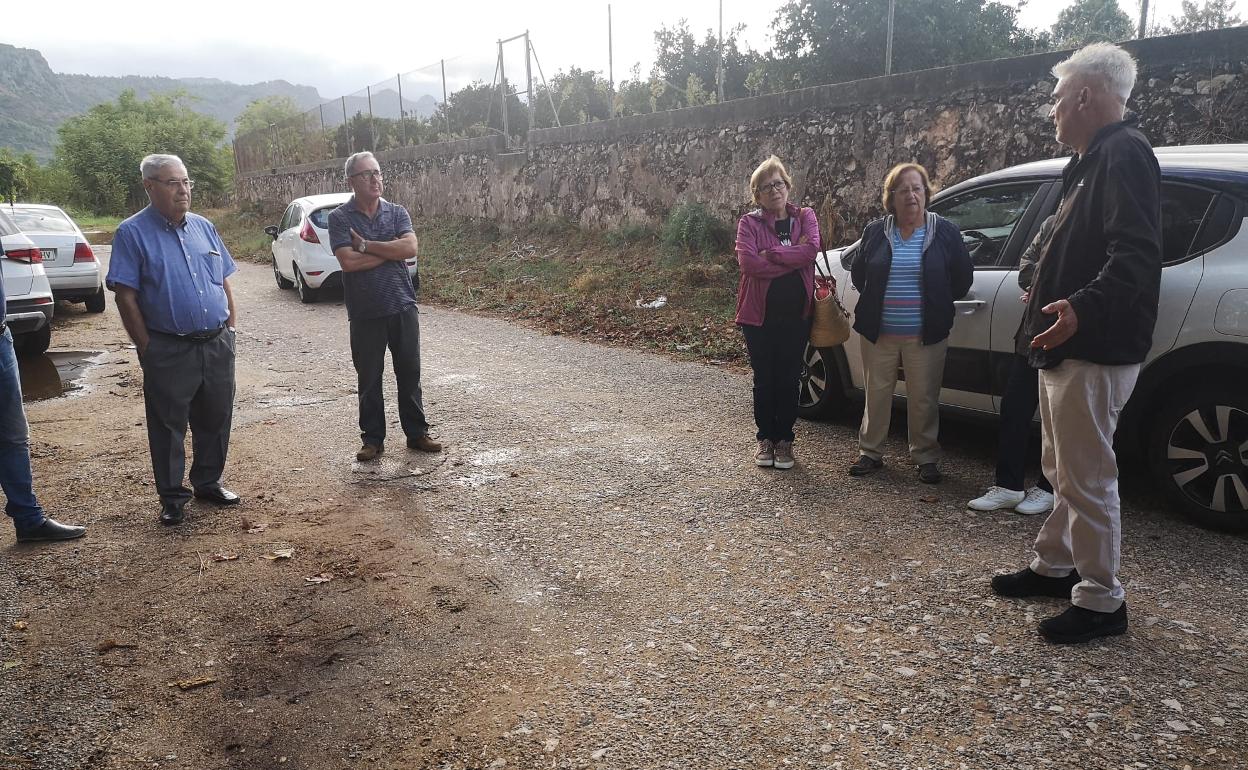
(1213, 14)
(259, 114)
(101, 149)
(475, 110)
(14, 181)
(633, 96)
(1091, 21)
(579, 95)
(830, 41)
(679, 55)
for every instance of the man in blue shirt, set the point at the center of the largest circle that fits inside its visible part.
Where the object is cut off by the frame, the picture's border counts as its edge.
(373, 239)
(15, 476)
(171, 272)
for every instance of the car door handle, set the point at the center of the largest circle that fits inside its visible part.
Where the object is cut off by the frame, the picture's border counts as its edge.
(968, 306)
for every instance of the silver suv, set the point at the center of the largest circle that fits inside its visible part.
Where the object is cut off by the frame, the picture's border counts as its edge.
(1189, 413)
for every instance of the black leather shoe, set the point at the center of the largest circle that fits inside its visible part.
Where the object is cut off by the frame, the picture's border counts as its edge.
(50, 529)
(1025, 582)
(218, 495)
(865, 466)
(929, 473)
(1078, 624)
(172, 513)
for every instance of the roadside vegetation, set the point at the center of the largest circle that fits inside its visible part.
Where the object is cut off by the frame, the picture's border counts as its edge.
(604, 286)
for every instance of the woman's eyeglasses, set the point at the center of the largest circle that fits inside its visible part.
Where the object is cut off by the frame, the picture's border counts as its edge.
(778, 186)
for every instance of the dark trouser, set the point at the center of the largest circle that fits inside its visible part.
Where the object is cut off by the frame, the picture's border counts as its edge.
(776, 355)
(369, 339)
(1018, 407)
(188, 383)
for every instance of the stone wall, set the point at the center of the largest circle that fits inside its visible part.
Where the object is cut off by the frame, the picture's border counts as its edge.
(837, 141)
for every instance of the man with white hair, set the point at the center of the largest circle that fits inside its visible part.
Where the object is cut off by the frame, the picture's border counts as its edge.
(373, 240)
(170, 272)
(1090, 317)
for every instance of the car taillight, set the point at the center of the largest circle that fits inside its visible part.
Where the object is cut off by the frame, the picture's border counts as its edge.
(83, 253)
(29, 256)
(307, 233)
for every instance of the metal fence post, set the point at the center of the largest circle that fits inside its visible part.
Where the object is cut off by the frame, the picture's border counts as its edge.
(402, 112)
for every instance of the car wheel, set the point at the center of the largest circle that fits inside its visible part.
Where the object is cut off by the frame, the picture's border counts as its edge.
(820, 394)
(35, 343)
(95, 303)
(282, 283)
(1198, 452)
(307, 295)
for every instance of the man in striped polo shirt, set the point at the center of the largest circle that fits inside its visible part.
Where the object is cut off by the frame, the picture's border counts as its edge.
(373, 239)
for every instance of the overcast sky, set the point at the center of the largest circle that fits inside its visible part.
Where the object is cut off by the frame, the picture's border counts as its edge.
(328, 45)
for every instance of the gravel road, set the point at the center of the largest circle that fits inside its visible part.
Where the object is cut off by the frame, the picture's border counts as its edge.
(593, 574)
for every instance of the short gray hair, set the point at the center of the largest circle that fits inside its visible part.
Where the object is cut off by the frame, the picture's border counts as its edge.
(153, 163)
(1105, 61)
(351, 161)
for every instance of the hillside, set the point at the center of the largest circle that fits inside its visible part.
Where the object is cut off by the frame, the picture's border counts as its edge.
(34, 100)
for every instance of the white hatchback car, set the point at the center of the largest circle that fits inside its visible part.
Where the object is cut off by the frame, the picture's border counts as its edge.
(1188, 415)
(301, 255)
(71, 265)
(29, 311)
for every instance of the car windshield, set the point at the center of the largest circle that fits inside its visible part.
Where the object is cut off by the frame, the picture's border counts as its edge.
(320, 217)
(41, 220)
(6, 225)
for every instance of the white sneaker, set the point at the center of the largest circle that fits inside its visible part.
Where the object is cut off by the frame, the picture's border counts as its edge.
(1037, 501)
(997, 498)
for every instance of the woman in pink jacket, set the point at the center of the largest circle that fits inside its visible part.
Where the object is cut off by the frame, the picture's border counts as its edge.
(776, 247)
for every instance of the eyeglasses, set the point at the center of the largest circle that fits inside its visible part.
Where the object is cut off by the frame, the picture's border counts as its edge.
(916, 189)
(366, 175)
(779, 185)
(174, 184)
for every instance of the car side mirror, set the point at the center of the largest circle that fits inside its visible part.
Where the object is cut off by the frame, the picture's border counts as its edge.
(271, 231)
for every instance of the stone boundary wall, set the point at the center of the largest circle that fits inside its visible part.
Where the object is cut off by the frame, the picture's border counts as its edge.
(837, 141)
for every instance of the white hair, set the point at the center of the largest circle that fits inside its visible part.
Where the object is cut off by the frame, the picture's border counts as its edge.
(153, 163)
(1103, 61)
(351, 161)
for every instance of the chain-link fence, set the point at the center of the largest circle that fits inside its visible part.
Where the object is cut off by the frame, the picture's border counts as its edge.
(450, 99)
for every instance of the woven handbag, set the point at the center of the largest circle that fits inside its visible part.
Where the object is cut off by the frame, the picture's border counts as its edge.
(829, 325)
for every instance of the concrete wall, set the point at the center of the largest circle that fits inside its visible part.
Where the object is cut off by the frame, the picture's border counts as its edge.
(837, 141)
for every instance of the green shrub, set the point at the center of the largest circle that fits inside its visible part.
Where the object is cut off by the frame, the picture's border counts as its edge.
(691, 229)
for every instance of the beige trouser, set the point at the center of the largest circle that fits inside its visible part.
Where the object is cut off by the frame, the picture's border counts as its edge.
(1079, 407)
(924, 366)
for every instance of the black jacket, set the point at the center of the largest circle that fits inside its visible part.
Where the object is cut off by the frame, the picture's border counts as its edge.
(945, 275)
(1104, 254)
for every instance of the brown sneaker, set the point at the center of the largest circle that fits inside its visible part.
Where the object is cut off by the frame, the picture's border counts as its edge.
(784, 455)
(368, 453)
(766, 456)
(423, 443)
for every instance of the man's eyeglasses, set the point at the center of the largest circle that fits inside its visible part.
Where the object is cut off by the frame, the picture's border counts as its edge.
(174, 184)
(366, 175)
(779, 185)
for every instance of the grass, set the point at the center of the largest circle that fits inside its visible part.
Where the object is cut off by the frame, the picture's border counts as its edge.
(243, 231)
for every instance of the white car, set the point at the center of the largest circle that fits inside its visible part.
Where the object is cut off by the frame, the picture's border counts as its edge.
(301, 255)
(30, 305)
(71, 265)
(1188, 415)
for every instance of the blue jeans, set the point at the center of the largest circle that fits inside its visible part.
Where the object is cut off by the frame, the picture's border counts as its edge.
(15, 476)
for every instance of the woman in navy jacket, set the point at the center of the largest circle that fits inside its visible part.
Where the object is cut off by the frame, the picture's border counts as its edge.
(908, 268)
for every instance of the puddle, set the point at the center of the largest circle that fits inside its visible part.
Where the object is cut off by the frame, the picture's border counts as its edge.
(54, 374)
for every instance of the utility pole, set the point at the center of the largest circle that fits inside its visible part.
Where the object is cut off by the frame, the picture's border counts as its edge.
(888, 46)
(719, 69)
(446, 111)
(610, 51)
(1143, 19)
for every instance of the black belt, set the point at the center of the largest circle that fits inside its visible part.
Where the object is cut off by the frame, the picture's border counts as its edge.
(3, 326)
(196, 337)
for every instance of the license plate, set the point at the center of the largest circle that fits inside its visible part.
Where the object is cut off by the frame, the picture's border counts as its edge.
(49, 255)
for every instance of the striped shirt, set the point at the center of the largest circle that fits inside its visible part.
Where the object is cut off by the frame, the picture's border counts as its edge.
(903, 305)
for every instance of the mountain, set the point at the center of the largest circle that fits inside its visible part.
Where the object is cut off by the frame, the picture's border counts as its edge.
(35, 101)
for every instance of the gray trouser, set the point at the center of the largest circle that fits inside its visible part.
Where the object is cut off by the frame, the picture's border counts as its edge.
(185, 383)
(369, 339)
